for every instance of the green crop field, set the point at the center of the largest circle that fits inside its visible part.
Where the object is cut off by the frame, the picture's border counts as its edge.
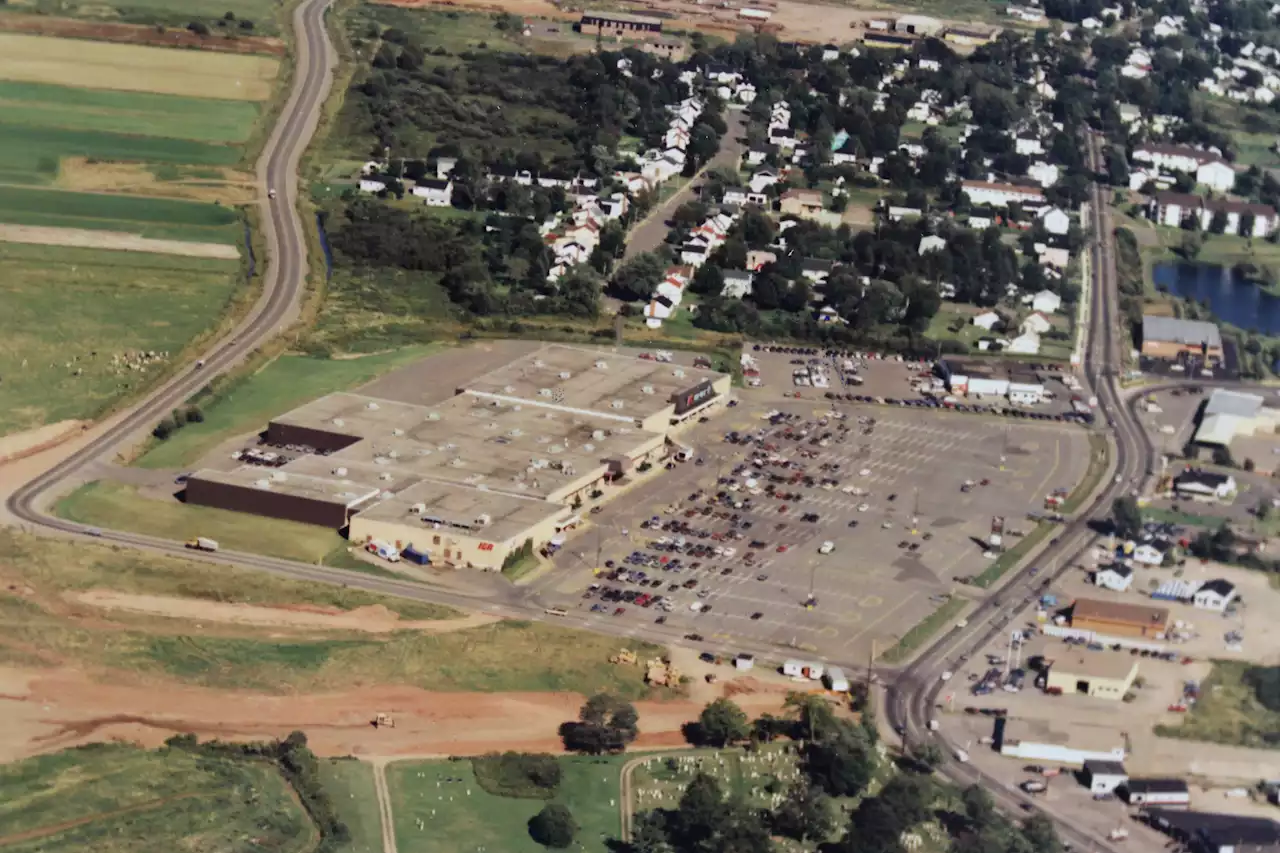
(32, 154)
(120, 799)
(69, 310)
(245, 405)
(149, 217)
(453, 820)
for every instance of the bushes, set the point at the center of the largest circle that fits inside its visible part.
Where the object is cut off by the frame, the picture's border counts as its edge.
(177, 420)
(299, 767)
(1265, 681)
(532, 776)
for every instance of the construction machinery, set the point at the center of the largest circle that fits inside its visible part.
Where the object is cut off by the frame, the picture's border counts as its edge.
(384, 721)
(662, 673)
(624, 657)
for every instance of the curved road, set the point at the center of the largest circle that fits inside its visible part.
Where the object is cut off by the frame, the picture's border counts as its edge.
(283, 283)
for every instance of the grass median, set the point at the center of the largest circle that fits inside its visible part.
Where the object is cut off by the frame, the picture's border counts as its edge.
(920, 634)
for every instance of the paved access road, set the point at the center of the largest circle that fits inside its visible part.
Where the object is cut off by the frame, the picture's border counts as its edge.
(283, 282)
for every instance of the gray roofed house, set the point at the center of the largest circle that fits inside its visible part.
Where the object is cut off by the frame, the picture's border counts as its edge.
(1187, 332)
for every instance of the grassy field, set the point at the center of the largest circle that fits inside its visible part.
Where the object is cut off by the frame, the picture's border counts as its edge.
(119, 799)
(246, 404)
(136, 68)
(122, 507)
(165, 219)
(350, 785)
(1227, 712)
(455, 821)
(74, 309)
(58, 567)
(941, 326)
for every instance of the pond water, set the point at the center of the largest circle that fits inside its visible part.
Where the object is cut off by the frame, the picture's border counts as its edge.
(1230, 296)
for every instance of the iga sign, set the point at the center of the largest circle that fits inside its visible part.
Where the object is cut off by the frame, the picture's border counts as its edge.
(694, 397)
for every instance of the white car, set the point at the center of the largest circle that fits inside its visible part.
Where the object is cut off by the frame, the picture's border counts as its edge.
(863, 507)
(946, 676)
(864, 472)
(827, 547)
(729, 552)
(887, 525)
(696, 606)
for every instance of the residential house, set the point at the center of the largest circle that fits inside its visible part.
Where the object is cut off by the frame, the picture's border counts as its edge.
(802, 203)
(1115, 577)
(1055, 220)
(1035, 323)
(1027, 145)
(762, 180)
(693, 254)
(1198, 484)
(830, 53)
(435, 192)
(737, 283)
(1151, 553)
(897, 213)
(828, 315)
(656, 311)
(756, 156)
(1052, 256)
(1000, 195)
(735, 195)
(987, 320)
(757, 258)
(1028, 343)
(1215, 595)
(931, 243)
(1046, 302)
(1044, 174)
(815, 270)
(1208, 167)
(1178, 209)
(372, 185)
(445, 166)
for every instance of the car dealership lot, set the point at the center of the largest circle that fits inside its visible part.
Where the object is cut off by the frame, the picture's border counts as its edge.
(778, 479)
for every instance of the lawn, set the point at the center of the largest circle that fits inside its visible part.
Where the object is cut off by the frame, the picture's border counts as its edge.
(1227, 712)
(246, 404)
(61, 566)
(69, 310)
(166, 219)
(458, 815)
(120, 799)
(953, 323)
(137, 68)
(349, 784)
(120, 507)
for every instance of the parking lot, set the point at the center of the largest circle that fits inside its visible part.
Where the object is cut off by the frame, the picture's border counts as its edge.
(813, 525)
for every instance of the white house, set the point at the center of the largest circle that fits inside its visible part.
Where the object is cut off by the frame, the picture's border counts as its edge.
(1044, 174)
(1052, 256)
(1214, 595)
(1028, 343)
(1204, 485)
(1046, 302)
(1027, 145)
(737, 283)
(762, 180)
(1117, 578)
(1055, 221)
(986, 320)
(1217, 176)
(1148, 554)
(897, 214)
(1000, 195)
(372, 185)
(1036, 323)
(435, 192)
(931, 243)
(735, 195)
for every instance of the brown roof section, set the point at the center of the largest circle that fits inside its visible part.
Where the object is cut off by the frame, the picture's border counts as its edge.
(1033, 189)
(1240, 207)
(1180, 199)
(1139, 615)
(803, 195)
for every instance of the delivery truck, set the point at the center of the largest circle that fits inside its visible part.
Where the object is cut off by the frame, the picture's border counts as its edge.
(201, 543)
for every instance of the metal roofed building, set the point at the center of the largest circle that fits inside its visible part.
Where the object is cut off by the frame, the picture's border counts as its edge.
(1169, 338)
(620, 21)
(1211, 832)
(650, 394)
(491, 470)
(1229, 414)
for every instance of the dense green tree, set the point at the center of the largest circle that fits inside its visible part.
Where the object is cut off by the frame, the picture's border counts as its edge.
(722, 722)
(554, 826)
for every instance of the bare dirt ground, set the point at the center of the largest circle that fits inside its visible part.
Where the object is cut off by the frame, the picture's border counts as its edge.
(374, 619)
(83, 175)
(118, 240)
(137, 34)
(46, 711)
(19, 444)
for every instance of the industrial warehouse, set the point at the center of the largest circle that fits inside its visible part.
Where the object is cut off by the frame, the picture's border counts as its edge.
(514, 457)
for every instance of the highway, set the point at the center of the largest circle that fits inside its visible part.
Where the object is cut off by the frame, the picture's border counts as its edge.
(913, 694)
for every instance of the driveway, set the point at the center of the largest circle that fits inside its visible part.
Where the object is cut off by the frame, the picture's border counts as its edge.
(649, 233)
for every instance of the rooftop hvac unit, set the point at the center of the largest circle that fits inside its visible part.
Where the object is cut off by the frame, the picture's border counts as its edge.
(678, 373)
(589, 447)
(371, 406)
(424, 451)
(397, 431)
(615, 404)
(393, 454)
(456, 462)
(433, 416)
(564, 374)
(598, 434)
(490, 425)
(483, 519)
(544, 392)
(381, 460)
(339, 472)
(515, 432)
(602, 365)
(646, 389)
(385, 475)
(339, 422)
(418, 509)
(508, 389)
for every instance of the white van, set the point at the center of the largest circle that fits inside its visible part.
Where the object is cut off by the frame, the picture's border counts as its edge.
(827, 547)
(836, 681)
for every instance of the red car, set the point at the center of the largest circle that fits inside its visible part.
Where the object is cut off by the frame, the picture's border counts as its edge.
(782, 549)
(619, 611)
